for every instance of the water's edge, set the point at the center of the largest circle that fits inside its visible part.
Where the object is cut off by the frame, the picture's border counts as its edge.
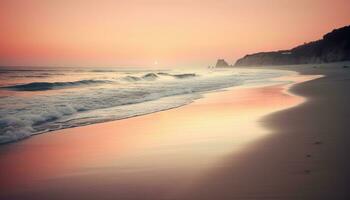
(188, 100)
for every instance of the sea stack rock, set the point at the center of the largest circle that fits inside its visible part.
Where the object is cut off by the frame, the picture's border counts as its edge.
(221, 63)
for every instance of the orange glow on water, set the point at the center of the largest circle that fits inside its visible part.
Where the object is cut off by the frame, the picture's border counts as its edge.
(174, 145)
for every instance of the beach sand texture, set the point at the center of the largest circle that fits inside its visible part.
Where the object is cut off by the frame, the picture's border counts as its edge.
(220, 147)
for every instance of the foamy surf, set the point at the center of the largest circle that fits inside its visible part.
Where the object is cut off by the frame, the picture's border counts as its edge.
(70, 98)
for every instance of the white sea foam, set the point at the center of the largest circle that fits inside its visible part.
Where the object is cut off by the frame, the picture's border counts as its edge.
(99, 96)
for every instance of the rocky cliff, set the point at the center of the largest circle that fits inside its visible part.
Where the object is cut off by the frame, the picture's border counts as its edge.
(333, 47)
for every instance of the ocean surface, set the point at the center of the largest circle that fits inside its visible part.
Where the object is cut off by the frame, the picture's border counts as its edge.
(39, 100)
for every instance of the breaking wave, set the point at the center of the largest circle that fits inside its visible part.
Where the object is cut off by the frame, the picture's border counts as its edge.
(40, 86)
(136, 93)
(150, 77)
(156, 76)
(189, 75)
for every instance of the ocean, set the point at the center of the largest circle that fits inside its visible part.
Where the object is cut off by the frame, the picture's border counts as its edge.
(39, 100)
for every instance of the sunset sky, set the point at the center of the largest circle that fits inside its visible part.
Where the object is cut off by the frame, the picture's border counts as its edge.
(171, 32)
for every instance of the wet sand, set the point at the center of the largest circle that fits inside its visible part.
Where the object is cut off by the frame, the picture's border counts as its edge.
(213, 148)
(307, 154)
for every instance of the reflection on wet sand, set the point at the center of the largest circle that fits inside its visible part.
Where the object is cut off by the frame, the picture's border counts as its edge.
(157, 156)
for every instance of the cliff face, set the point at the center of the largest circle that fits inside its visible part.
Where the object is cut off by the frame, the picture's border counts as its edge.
(333, 47)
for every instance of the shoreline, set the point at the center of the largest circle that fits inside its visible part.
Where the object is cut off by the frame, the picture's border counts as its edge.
(64, 156)
(202, 95)
(305, 158)
(322, 125)
(188, 99)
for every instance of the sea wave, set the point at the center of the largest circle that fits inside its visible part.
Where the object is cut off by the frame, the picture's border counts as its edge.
(40, 86)
(131, 78)
(156, 76)
(141, 93)
(150, 77)
(187, 75)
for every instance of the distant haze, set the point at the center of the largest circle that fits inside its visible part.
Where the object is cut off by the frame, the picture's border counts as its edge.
(167, 33)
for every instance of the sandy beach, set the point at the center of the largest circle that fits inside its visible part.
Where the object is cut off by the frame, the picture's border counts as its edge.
(174, 100)
(305, 158)
(183, 153)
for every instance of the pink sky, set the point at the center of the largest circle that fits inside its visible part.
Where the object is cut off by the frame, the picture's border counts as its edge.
(172, 32)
